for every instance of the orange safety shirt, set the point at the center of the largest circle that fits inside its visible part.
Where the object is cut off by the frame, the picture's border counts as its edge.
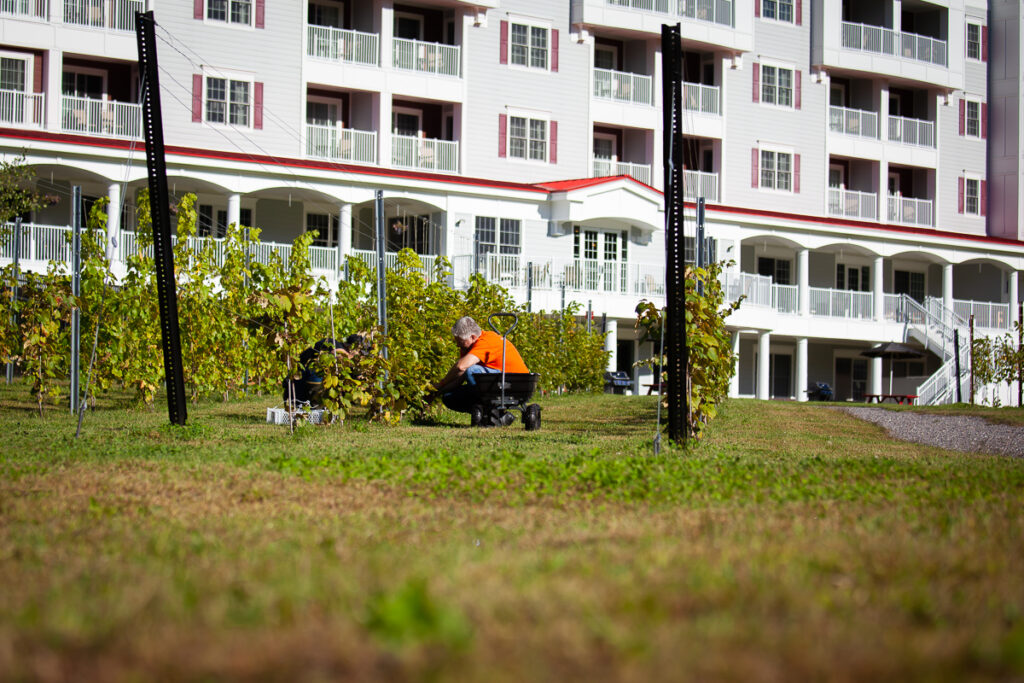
(488, 349)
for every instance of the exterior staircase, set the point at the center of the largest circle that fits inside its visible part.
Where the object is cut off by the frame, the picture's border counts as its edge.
(936, 327)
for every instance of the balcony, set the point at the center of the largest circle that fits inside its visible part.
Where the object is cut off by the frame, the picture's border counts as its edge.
(104, 118)
(713, 11)
(335, 143)
(604, 167)
(26, 9)
(116, 15)
(22, 109)
(697, 184)
(433, 58)
(705, 99)
(911, 131)
(881, 40)
(425, 154)
(987, 314)
(341, 45)
(910, 211)
(756, 290)
(621, 86)
(852, 204)
(853, 122)
(841, 303)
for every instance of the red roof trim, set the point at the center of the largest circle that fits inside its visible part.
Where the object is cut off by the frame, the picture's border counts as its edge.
(579, 183)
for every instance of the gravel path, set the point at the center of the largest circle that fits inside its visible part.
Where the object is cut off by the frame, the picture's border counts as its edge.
(953, 432)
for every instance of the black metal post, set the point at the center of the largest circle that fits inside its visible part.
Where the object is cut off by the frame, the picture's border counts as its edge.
(675, 266)
(529, 286)
(382, 298)
(159, 203)
(956, 357)
(971, 355)
(76, 292)
(701, 245)
(14, 287)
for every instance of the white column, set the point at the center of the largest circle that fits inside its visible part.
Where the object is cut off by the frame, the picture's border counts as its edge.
(234, 208)
(803, 279)
(344, 232)
(734, 381)
(1014, 296)
(611, 338)
(947, 288)
(875, 385)
(763, 365)
(801, 369)
(878, 289)
(384, 127)
(52, 87)
(113, 220)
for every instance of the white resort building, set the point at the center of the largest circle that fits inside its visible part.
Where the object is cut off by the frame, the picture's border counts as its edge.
(860, 159)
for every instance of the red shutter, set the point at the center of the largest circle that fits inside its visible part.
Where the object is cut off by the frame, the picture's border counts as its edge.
(554, 49)
(984, 43)
(37, 73)
(502, 132)
(984, 120)
(260, 13)
(197, 98)
(757, 82)
(503, 58)
(799, 13)
(796, 95)
(984, 196)
(197, 9)
(963, 115)
(960, 195)
(757, 8)
(257, 106)
(554, 142)
(753, 168)
(796, 173)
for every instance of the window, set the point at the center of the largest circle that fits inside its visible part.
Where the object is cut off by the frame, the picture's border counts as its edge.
(496, 236)
(912, 284)
(82, 84)
(227, 101)
(776, 170)
(205, 224)
(12, 74)
(13, 78)
(973, 115)
(325, 227)
(527, 138)
(528, 46)
(972, 196)
(231, 11)
(853, 277)
(973, 41)
(781, 10)
(777, 269)
(777, 85)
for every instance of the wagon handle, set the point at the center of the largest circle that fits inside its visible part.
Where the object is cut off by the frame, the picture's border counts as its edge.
(515, 321)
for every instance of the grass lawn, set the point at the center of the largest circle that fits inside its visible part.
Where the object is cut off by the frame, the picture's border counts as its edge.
(793, 543)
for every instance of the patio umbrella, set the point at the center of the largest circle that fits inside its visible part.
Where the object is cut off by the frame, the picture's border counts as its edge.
(892, 351)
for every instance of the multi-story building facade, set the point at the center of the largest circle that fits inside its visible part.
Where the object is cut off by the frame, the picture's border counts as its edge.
(853, 168)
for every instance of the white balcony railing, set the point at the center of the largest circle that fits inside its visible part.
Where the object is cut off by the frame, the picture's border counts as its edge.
(852, 204)
(786, 298)
(41, 243)
(853, 121)
(341, 144)
(341, 45)
(409, 151)
(426, 268)
(32, 9)
(608, 167)
(698, 184)
(987, 314)
(22, 109)
(706, 99)
(912, 131)
(434, 58)
(841, 303)
(623, 87)
(910, 211)
(117, 15)
(101, 117)
(756, 288)
(715, 11)
(888, 42)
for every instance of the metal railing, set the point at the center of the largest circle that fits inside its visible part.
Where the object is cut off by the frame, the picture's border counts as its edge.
(786, 298)
(707, 99)
(756, 288)
(341, 144)
(117, 15)
(888, 42)
(623, 87)
(22, 109)
(714, 11)
(608, 167)
(426, 269)
(935, 327)
(987, 314)
(912, 131)
(698, 184)
(909, 210)
(434, 58)
(34, 9)
(341, 45)
(841, 303)
(852, 203)
(853, 121)
(409, 151)
(42, 243)
(101, 117)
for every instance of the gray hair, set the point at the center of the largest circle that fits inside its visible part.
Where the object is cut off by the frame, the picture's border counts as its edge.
(465, 328)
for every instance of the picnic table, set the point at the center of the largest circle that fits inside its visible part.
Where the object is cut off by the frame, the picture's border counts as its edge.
(901, 399)
(660, 385)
